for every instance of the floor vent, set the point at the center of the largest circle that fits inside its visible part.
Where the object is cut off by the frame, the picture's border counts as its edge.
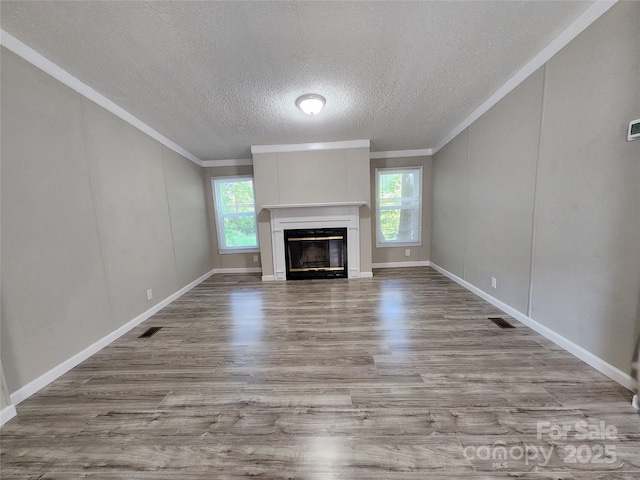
(150, 332)
(501, 322)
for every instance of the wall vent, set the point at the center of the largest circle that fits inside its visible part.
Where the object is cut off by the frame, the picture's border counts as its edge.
(150, 332)
(501, 322)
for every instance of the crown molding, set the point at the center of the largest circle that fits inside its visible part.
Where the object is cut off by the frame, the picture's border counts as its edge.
(305, 147)
(232, 162)
(425, 152)
(580, 24)
(47, 66)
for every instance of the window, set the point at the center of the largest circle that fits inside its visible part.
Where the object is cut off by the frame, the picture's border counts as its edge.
(398, 206)
(235, 214)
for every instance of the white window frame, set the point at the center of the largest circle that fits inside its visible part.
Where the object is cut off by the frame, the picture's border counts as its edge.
(222, 248)
(380, 241)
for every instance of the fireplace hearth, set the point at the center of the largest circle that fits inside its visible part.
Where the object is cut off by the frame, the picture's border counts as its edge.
(316, 253)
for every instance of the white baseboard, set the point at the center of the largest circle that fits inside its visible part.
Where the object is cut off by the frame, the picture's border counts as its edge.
(596, 362)
(43, 380)
(59, 370)
(421, 263)
(7, 413)
(238, 270)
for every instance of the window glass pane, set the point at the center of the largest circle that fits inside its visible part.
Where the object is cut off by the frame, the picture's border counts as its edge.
(240, 231)
(399, 225)
(389, 223)
(407, 225)
(237, 197)
(390, 188)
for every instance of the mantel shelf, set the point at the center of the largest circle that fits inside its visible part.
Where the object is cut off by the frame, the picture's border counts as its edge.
(315, 205)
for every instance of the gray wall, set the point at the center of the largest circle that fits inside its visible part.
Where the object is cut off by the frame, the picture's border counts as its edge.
(449, 205)
(543, 193)
(226, 260)
(4, 390)
(586, 271)
(319, 176)
(503, 147)
(94, 213)
(397, 254)
(189, 216)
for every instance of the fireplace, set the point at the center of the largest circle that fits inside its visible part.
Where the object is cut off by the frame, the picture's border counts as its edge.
(316, 253)
(343, 216)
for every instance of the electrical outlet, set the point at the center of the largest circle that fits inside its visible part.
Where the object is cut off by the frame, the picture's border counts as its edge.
(494, 282)
(407, 253)
(255, 259)
(149, 294)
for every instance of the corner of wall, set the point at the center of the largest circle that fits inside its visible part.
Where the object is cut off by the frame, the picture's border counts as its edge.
(7, 410)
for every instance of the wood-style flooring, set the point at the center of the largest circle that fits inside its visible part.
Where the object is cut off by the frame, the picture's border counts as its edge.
(401, 376)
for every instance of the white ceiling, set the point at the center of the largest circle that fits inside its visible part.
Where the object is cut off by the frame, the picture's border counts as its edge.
(218, 77)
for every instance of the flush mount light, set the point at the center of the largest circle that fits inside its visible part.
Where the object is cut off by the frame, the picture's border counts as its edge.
(311, 104)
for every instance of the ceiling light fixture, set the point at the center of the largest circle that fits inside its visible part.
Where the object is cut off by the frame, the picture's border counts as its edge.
(311, 104)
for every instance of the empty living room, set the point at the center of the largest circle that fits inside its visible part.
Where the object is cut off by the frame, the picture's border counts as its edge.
(320, 239)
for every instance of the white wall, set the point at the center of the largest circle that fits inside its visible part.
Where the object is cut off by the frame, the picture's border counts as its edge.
(543, 193)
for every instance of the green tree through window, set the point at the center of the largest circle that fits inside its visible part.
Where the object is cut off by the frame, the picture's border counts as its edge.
(235, 213)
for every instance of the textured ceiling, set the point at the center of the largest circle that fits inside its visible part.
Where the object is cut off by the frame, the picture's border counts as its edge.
(218, 77)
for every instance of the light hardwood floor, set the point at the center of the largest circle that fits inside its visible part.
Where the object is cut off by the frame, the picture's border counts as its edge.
(396, 377)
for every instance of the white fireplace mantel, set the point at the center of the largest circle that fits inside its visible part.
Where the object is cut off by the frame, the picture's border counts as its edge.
(314, 205)
(315, 215)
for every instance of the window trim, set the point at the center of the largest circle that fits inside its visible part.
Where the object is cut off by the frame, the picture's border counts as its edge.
(385, 244)
(219, 217)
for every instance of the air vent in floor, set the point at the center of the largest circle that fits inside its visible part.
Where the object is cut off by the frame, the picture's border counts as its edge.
(501, 322)
(150, 332)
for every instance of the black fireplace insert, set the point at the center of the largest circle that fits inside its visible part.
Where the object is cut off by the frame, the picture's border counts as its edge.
(316, 253)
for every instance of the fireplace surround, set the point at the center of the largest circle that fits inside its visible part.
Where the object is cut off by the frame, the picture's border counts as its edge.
(342, 215)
